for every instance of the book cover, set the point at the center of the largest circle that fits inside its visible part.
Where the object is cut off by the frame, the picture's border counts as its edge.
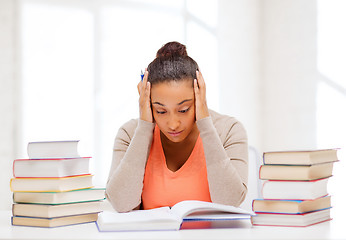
(166, 218)
(292, 189)
(307, 157)
(296, 172)
(290, 206)
(51, 184)
(53, 149)
(53, 211)
(291, 220)
(53, 222)
(75, 196)
(45, 168)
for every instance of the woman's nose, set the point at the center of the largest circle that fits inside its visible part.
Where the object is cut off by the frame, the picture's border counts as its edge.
(173, 122)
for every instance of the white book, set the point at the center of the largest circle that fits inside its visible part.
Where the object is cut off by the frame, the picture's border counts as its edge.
(53, 149)
(291, 220)
(166, 218)
(276, 189)
(53, 211)
(53, 222)
(61, 167)
(307, 157)
(51, 184)
(82, 195)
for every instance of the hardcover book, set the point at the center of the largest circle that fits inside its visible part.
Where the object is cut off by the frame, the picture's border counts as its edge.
(53, 222)
(53, 211)
(82, 195)
(166, 218)
(60, 167)
(50, 184)
(290, 206)
(300, 157)
(285, 189)
(53, 149)
(291, 220)
(296, 172)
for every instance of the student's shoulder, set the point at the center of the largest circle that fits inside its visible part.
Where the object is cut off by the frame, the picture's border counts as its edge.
(222, 119)
(130, 124)
(226, 124)
(128, 129)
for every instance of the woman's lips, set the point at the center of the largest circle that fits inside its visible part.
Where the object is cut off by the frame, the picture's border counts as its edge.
(175, 134)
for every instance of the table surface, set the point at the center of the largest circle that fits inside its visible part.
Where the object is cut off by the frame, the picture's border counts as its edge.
(241, 230)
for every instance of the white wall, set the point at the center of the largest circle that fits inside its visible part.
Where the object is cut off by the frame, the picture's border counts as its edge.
(239, 64)
(8, 97)
(267, 67)
(267, 56)
(289, 76)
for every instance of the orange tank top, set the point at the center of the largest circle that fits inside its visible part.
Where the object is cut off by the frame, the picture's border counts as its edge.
(162, 187)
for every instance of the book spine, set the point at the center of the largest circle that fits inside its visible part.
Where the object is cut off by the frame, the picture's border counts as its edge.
(13, 167)
(11, 188)
(278, 225)
(71, 176)
(259, 172)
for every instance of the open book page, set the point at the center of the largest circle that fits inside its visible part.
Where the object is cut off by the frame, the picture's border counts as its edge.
(206, 210)
(154, 219)
(166, 218)
(157, 214)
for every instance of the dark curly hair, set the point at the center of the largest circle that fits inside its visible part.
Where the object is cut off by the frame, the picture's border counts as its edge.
(172, 64)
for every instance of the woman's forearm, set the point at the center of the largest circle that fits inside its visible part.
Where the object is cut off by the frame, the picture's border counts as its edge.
(131, 150)
(226, 161)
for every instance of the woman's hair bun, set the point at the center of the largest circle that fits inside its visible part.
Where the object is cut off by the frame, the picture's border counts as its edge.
(172, 49)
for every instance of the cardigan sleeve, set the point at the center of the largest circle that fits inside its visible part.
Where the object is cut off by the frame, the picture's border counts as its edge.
(130, 153)
(227, 160)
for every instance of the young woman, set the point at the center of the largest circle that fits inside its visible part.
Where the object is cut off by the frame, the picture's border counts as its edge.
(178, 149)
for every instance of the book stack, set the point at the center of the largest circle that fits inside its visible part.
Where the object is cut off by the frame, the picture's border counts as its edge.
(294, 190)
(54, 187)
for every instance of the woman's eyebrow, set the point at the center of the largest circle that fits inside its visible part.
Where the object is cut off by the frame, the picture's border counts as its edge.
(186, 100)
(158, 103)
(163, 105)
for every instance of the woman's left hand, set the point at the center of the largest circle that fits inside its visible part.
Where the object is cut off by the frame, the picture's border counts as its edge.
(200, 97)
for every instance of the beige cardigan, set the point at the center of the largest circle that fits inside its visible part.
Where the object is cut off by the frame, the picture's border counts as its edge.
(226, 153)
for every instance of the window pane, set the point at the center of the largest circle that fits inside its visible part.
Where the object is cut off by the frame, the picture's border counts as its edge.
(331, 94)
(126, 49)
(57, 73)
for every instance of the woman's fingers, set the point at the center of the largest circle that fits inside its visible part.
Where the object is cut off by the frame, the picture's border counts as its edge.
(144, 99)
(200, 97)
(201, 83)
(195, 85)
(142, 85)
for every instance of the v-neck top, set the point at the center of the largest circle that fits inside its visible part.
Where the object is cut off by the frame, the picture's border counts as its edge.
(163, 187)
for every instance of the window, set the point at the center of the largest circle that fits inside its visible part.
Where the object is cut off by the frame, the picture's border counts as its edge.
(331, 94)
(81, 63)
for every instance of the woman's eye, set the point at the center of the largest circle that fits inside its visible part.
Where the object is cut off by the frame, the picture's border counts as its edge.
(184, 111)
(160, 112)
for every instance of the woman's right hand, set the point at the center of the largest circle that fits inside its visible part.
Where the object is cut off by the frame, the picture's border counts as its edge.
(145, 112)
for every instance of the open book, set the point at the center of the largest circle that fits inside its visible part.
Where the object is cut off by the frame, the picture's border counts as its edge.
(166, 218)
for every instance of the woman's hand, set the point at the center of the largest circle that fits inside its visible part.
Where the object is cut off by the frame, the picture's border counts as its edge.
(143, 87)
(200, 97)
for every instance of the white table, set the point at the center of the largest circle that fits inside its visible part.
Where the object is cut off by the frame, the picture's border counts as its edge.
(335, 229)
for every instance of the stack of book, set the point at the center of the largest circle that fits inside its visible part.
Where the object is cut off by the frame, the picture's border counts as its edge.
(54, 187)
(294, 190)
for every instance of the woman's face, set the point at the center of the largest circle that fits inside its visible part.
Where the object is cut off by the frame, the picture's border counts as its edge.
(173, 105)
